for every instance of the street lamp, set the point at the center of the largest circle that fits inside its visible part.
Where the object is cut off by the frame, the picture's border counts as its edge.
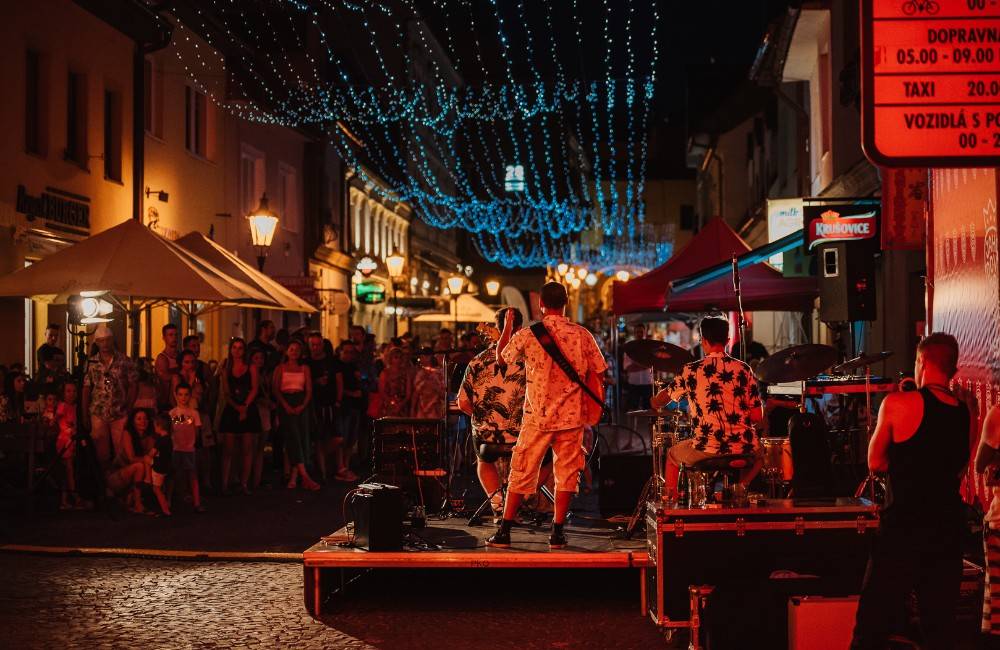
(622, 275)
(591, 279)
(263, 223)
(563, 268)
(492, 287)
(394, 264)
(455, 284)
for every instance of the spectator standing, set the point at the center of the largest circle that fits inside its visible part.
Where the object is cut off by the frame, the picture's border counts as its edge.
(50, 348)
(265, 409)
(109, 389)
(352, 402)
(428, 388)
(265, 343)
(328, 389)
(638, 379)
(66, 446)
(293, 390)
(185, 422)
(12, 401)
(395, 386)
(162, 459)
(166, 366)
(240, 419)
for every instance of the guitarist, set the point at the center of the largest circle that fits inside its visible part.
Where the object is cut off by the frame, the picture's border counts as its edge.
(564, 369)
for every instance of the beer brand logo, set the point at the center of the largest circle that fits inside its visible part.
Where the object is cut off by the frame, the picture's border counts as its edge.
(832, 226)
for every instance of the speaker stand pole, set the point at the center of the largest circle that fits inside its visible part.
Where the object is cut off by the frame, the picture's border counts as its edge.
(739, 304)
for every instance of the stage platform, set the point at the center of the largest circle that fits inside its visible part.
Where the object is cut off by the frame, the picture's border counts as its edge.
(331, 565)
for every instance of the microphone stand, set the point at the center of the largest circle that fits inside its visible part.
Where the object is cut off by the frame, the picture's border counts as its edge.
(742, 323)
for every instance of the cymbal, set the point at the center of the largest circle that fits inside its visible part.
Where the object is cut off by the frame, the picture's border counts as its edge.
(796, 363)
(658, 355)
(861, 362)
(653, 413)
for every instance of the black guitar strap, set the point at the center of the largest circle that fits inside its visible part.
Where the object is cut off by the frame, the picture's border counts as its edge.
(549, 345)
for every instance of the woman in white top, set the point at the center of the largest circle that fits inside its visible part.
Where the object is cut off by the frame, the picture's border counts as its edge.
(292, 385)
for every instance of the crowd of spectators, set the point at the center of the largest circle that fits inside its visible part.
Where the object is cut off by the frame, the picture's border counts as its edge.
(286, 408)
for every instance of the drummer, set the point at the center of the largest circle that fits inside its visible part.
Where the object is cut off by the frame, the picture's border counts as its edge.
(723, 402)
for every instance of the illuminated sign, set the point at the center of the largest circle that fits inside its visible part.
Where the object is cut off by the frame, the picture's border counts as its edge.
(834, 225)
(931, 82)
(370, 293)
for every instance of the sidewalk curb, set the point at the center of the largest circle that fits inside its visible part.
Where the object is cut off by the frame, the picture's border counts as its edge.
(153, 553)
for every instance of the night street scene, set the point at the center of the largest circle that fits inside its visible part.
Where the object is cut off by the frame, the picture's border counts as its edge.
(513, 324)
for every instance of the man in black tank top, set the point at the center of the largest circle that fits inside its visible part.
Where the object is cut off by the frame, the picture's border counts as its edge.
(922, 443)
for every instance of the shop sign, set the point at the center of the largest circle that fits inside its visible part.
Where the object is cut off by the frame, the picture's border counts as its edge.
(784, 216)
(370, 293)
(931, 82)
(833, 225)
(58, 206)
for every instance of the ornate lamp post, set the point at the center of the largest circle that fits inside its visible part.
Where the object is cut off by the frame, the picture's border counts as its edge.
(394, 264)
(455, 284)
(263, 223)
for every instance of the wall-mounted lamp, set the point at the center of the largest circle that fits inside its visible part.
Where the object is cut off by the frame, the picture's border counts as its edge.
(160, 194)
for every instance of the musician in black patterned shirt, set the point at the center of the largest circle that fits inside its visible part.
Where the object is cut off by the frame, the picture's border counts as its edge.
(723, 402)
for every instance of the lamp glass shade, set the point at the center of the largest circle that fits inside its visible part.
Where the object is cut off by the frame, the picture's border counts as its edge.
(562, 268)
(590, 280)
(575, 283)
(492, 287)
(394, 263)
(581, 273)
(622, 276)
(263, 223)
(455, 284)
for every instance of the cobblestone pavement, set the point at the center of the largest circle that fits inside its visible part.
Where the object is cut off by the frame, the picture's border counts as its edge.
(68, 602)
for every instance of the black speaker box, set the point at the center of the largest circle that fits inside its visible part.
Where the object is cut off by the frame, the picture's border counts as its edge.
(846, 273)
(378, 517)
(621, 481)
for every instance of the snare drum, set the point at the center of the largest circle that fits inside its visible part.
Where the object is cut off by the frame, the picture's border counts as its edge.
(778, 458)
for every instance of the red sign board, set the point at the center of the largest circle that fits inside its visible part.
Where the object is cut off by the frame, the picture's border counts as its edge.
(931, 82)
(832, 226)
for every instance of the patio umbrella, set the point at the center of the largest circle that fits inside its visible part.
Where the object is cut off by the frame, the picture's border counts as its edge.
(138, 267)
(470, 310)
(234, 267)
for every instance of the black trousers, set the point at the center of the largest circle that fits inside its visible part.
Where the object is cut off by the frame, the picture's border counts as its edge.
(927, 560)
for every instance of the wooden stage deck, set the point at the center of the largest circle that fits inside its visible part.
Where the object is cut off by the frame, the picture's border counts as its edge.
(330, 565)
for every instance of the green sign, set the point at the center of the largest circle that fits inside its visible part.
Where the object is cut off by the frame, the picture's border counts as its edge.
(370, 293)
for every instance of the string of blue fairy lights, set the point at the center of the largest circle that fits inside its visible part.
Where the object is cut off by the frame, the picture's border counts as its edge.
(440, 143)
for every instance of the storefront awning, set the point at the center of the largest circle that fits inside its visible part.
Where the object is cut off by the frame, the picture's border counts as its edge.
(470, 310)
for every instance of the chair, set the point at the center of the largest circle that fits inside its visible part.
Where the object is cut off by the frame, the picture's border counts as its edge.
(705, 472)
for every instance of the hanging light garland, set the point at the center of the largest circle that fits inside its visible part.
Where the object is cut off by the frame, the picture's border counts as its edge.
(437, 142)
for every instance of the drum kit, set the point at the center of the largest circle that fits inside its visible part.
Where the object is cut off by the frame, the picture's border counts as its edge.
(799, 363)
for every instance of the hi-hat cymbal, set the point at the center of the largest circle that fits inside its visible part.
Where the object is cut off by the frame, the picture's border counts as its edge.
(796, 363)
(658, 355)
(861, 362)
(655, 413)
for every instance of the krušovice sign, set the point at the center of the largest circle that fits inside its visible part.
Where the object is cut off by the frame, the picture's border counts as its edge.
(834, 225)
(931, 82)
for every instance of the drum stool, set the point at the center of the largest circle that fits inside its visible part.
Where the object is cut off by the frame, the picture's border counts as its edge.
(704, 473)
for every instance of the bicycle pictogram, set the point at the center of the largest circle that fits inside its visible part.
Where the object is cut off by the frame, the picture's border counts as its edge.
(929, 7)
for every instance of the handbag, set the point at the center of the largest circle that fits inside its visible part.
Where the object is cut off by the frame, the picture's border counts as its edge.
(593, 387)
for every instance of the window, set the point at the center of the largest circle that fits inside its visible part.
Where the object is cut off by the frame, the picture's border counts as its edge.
(251, 178)
(34, 115)
(147, 101)
(513, 180)
(286, 203)
(196, 122)
(112, 136)
(76, 119)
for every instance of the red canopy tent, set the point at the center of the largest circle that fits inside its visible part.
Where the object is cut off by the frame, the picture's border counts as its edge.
(764, 288)
(715, 243)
